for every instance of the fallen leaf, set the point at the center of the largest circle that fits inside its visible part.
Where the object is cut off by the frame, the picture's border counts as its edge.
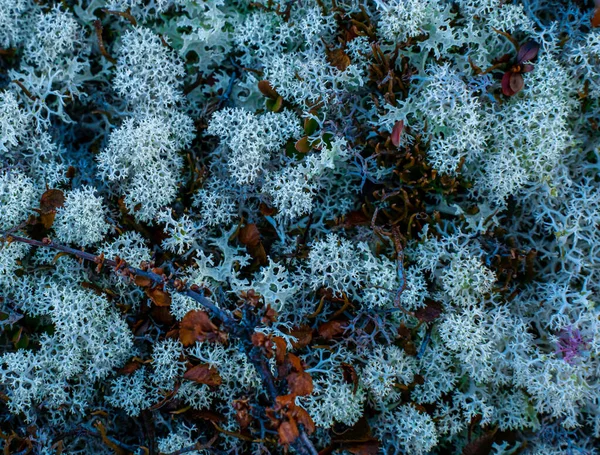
(332, 329)
(596, 17)
(249, 235)
(350, 376)
(430, 312)
(159, 296)
(204, 374)
(142, 281)
(370, 447)
(50, 201)
(339, 59)
(304, 419)
(303, 335)
(302, 145)
(197, 326)
(528, 51)
(129, 368)
(300, 384)
(280, 350)
(288, 432)
(242, 413)
(480, 446)
(397, 132)
(267, 89)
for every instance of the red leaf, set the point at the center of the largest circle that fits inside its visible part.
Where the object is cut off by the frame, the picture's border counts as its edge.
(430, 312)
(304, 419)
(242, 413)
(516, 82)
(528, 51)
(249, 235)
(204, 374)
(350, 376)
(596, 17)
(339, 59)
(527, 68)
(512, 83)
(142, 281)
(397, 133)
(295, 363)
(280, 350)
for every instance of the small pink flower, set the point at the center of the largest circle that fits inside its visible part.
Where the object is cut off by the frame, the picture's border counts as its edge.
(571, 344)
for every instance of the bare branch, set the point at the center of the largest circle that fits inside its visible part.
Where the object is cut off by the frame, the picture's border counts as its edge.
(241, 330)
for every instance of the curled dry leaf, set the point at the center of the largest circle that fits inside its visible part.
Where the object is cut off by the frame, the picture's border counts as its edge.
(50, 201)
(339, 59)
(332, 329)
(286, 416)
(303, 335)
(249, 236)
(300, 384)
(159, 296)
(204, 374)
(280, 350)
(288, 432)
(264, 342)
(242, 413)
(197, 326)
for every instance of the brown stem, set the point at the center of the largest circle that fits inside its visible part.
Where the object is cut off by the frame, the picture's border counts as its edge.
(196, 446)
(242, 330)
(126, 14)
(103, 51)
(27, 92)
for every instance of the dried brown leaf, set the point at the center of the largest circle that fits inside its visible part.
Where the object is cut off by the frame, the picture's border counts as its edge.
(204, 374)
(300, 384)
(159, 296)
(339, 59)
(332, 329)
(288, 432)
(197, 326)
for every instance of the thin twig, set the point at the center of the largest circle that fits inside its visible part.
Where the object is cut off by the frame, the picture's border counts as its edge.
(126, 14)
(27, 92)
(103, 51)
(198, 447)
(242, 330)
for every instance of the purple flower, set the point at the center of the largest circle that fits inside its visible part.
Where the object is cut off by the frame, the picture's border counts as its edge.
(571, 344)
